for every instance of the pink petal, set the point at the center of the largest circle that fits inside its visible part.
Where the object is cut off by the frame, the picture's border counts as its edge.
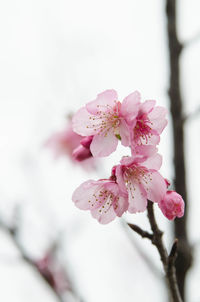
(144, 150)
(103, 101)
(83, 196)
(120, 179)
(128, 160)
(147, 106)
(153, 162)
(154, 186)
(122, 206)
(154, 140)
(103, 144)
(157, 117)
(137, 199)
(82, 124)
(130, 106)
(104, 215)
(124, 132)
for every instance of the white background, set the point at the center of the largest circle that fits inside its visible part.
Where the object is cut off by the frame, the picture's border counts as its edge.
(54, 57)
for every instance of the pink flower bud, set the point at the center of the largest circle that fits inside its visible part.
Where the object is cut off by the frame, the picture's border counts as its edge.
(81, 153)
(172, 205)
(86, 141)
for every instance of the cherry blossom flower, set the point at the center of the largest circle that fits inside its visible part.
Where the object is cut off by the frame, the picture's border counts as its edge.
(53, 272)
(102, 198)
(172, 205)
(139, 177)
(76, 147)
(107, 120)
(148, 125)
(64, 142)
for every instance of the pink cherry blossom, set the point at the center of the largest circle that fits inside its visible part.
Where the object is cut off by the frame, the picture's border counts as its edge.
(139, 177)
(53, 272)
(172, 205)
(76, 147)
(107, 120)
(148, 125)
(64, 142)
(102, 198)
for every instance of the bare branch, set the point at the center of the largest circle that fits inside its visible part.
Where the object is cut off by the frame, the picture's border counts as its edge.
(168, 261)
(173, 254)
(138, 230)
(157, 235)
(184, 260)
(153, 269)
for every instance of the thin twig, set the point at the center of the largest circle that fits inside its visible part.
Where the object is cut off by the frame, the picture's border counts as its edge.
(157, 235)
(167, 260)
(150, 264)
(173, 253)
(171, 270)
(142, 233)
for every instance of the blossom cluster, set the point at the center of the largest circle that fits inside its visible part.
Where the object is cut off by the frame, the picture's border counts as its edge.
(104, 122)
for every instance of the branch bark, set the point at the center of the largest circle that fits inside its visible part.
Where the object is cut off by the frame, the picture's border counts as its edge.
(184, 260)
(168, 261)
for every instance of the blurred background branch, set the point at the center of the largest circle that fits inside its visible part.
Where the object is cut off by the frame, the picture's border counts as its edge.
(48, 267)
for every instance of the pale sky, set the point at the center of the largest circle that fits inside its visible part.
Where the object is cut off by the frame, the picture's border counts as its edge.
(55, 56)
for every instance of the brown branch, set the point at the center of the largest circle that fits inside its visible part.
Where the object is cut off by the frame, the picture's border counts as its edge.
(157, 235)
(173, 253)
(152, 267)
(138, 230)
(171, 271)
(184, 260)
(168, 261)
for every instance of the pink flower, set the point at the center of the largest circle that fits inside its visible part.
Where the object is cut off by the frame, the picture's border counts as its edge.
(172, 205)
(138, 176)
(107, 120)
(53, 272)
(148, 125)
(102, 198)
(64, 142)
(76, 147)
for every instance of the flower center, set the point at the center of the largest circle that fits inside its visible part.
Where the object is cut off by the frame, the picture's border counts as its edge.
(105, 200)
(142, 130)
(136, 175)
(104, 120)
